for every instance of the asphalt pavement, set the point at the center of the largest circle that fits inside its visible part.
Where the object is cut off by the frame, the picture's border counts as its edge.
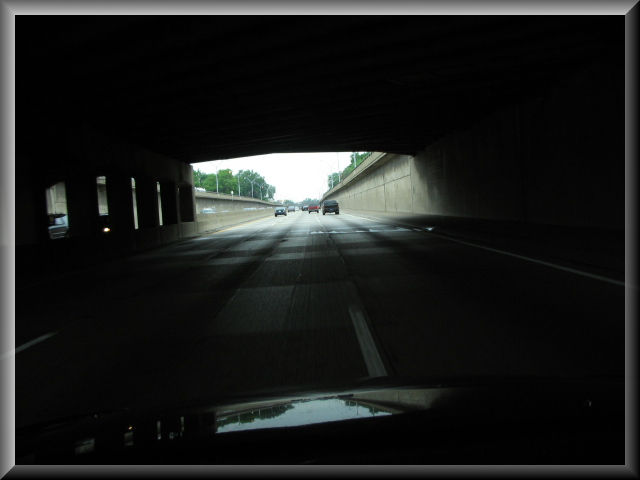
(305, 301)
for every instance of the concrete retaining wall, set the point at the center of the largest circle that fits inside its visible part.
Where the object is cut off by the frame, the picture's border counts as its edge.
(213, 221)
(222, 203)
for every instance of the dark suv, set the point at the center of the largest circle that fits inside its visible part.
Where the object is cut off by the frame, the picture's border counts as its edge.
(330, 206)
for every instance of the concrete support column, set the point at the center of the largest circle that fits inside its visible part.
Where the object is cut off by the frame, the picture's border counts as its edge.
(147, 201)
(120, 201)
(31, 214)
(169, 201)
(82, 205)
(187, 203)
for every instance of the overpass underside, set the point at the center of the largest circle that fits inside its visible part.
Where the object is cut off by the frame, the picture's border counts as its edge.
(506, 118)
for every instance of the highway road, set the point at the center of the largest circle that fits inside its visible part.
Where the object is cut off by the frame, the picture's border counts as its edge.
(304, 301)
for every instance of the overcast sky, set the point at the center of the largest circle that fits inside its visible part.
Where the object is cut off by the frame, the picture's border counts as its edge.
(296, 176)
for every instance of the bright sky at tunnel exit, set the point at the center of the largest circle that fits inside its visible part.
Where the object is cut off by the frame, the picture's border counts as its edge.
(296, 176)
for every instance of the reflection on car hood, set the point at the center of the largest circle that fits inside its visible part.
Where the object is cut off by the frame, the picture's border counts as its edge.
(298, 412)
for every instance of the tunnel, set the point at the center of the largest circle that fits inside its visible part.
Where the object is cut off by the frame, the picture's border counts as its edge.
(483, 237)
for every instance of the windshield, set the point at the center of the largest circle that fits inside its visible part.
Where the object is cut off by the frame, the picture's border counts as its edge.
(480, 239)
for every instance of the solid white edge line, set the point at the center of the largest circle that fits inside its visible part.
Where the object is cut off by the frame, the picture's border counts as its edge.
(541, 262)
(372, 359)
(30, 343)
(521, 257)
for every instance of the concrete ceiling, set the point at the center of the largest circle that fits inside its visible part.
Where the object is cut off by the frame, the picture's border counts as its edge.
(213, 87)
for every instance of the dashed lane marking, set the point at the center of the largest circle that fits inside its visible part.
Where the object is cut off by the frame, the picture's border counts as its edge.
(371, 355)
(30, 343)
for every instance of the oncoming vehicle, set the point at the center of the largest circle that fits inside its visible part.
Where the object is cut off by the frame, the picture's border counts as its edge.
(280, 211)
(330, 206)
(314, 208)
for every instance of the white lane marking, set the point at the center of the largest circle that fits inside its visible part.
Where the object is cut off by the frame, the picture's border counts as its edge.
(231, 260)
(522, 257)
(300, 256)
(395, 229)
(30, 343)
(342, 232)
(541, 262)
(372, 359)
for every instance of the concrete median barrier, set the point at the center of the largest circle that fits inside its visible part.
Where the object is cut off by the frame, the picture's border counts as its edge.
(216, 221)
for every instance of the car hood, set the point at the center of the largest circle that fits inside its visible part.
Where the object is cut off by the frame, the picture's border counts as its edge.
(88, 438)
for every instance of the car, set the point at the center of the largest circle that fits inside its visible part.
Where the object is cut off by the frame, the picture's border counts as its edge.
(208, 210)
(58, 226)
(291, 208)
(314, 208)
(305, 208)
(330, 206)
(280, 211)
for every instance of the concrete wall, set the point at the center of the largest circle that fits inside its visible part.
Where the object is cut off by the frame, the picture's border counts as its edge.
(228, 210)
(206, 222)
(50, 154)
(223, 203)
(384, 187)
(556, 158)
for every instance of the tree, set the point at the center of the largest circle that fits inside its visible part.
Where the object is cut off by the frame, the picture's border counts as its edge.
(332, 180)
(209, 182)
(270, 192)
(356, 159)
(198, 178)
(250, 180)
(226, 181)
(239, 184)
